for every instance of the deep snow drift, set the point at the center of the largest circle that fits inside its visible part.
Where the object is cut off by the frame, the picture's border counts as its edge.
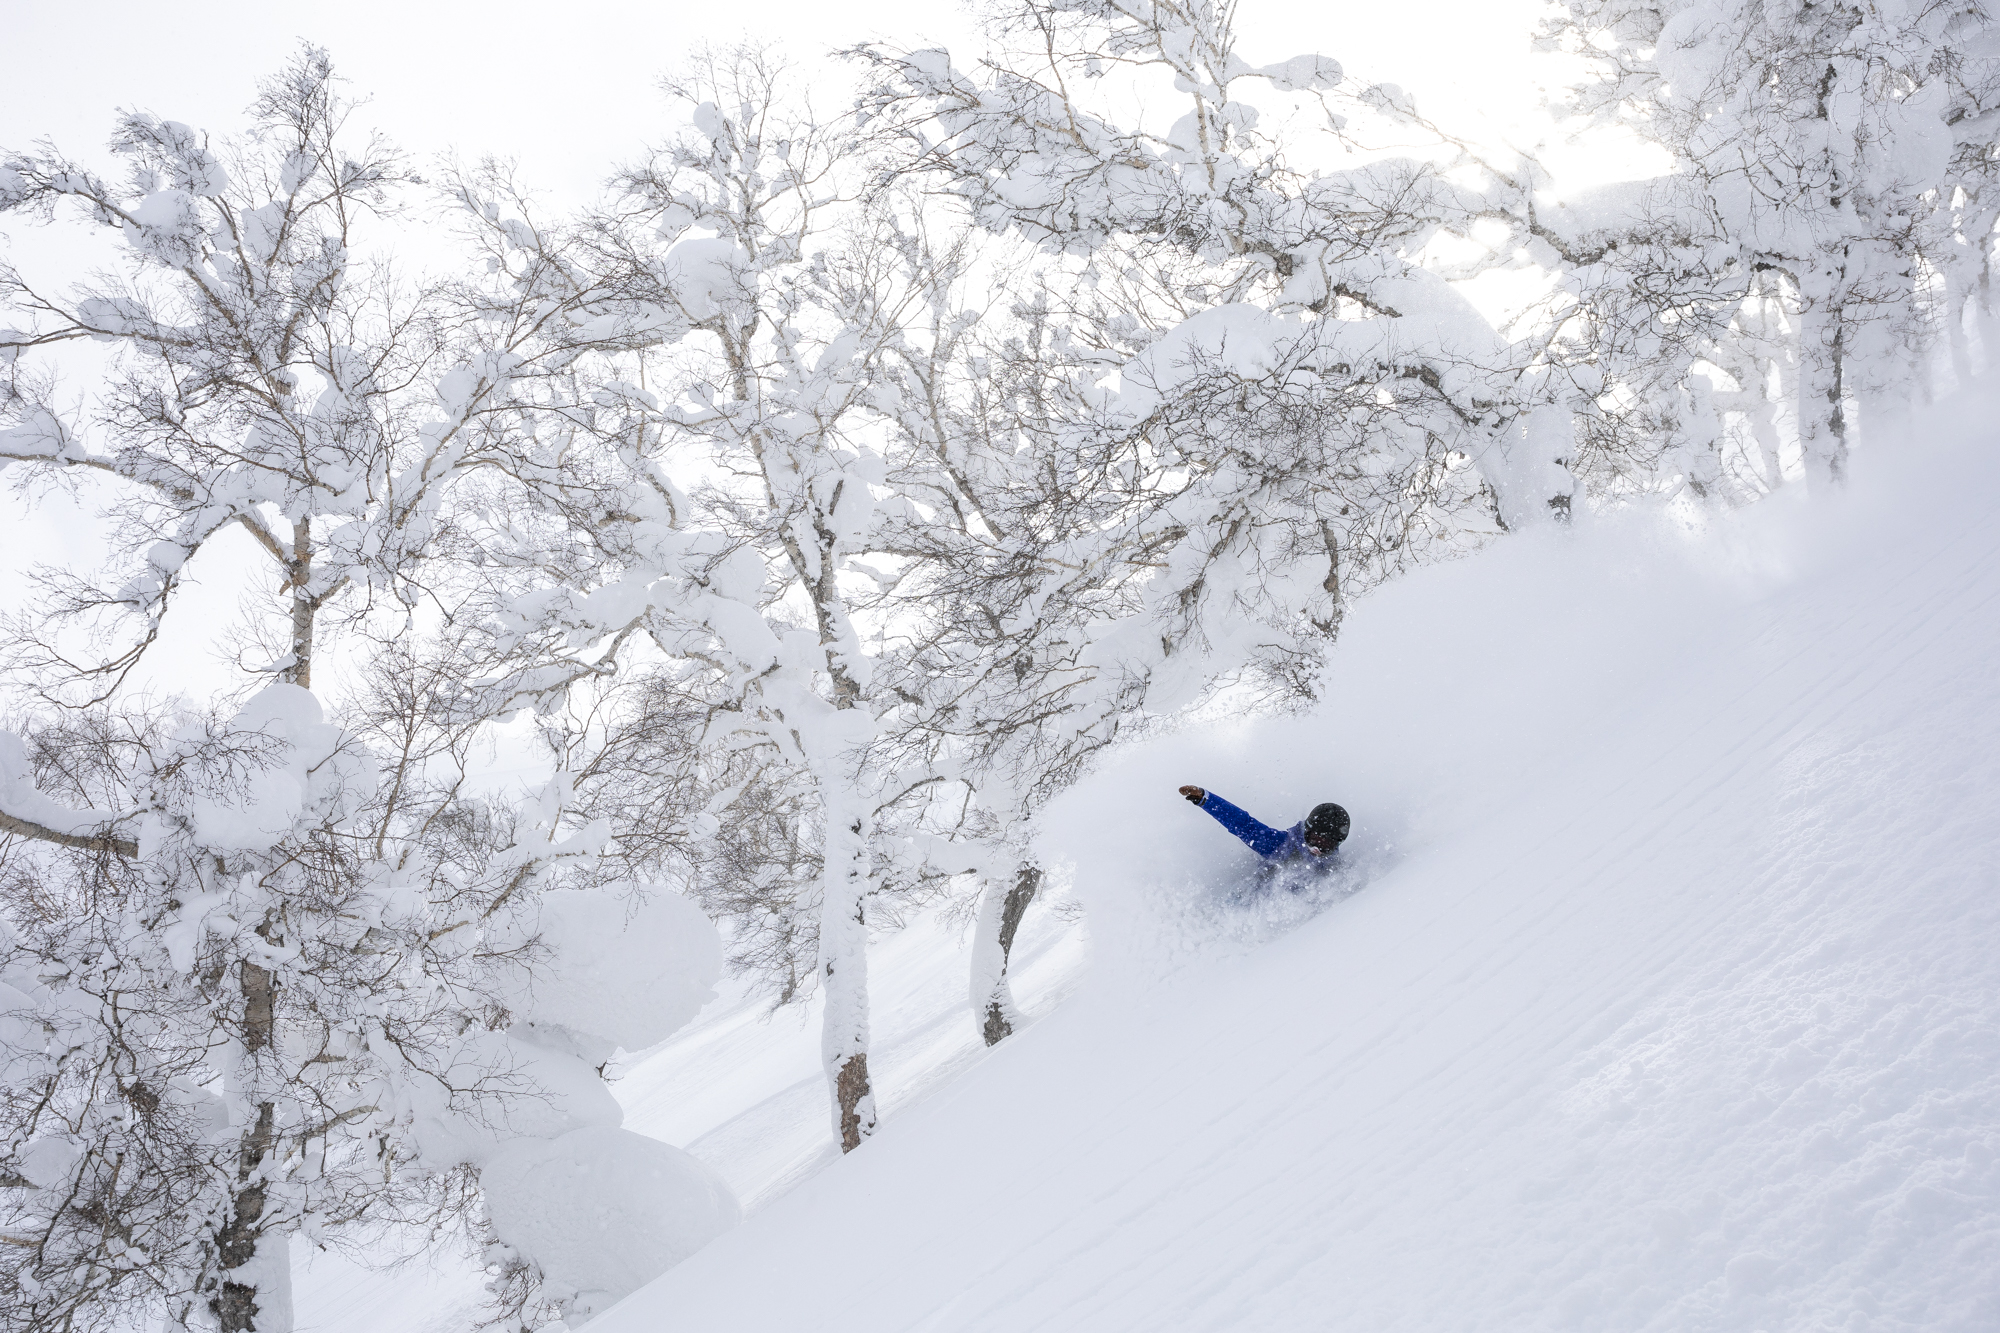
(1671, 1001)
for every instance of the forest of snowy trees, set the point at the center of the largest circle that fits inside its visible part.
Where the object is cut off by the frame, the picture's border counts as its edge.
(818, 505)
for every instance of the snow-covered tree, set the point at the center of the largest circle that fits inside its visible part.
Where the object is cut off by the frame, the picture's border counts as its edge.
(269, 375)
(260, 983)
(271, 973)
(723, 489)
(1290, 375)
(1828, 220)
(1234, 391)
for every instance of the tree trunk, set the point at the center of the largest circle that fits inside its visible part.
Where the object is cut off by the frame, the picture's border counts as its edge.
(1763, 380)
(1527, 467)
(843, 952)
(299, 577)
(1959, 306)
(1551, 432)
(252, 1292)
(1822, 392)
(1335, 612)
(1763, 421)
(999, 918)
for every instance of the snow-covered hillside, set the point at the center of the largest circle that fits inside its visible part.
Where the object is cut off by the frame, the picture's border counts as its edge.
(741, 1089)
(1668, 1001)
(1672, 1000)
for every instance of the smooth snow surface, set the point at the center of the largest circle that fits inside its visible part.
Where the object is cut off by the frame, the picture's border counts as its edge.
(1671, 1001)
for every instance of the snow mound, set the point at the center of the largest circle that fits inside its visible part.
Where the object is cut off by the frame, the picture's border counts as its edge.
(603, 1211)
(303, 766)
(619, 970)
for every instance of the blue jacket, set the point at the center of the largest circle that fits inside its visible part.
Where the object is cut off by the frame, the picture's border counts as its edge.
(1269, 843)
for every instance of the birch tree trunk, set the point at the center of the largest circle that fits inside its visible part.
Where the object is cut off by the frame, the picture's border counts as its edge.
(253, 1285)
(1821, 392)
(1763, 421)
(1765, 385)
(843, 952)
(993, 946)
(1960, 305)
(304, 606)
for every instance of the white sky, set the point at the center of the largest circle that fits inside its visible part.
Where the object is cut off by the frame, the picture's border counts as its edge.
(571, 90)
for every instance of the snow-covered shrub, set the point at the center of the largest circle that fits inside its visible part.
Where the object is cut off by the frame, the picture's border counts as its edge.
(581, 1212)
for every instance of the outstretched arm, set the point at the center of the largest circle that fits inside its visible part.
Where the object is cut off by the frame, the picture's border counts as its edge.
(1259, 837)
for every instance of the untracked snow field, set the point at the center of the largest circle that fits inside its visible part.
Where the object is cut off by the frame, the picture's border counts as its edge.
(1669, 998)
(1672, 1001)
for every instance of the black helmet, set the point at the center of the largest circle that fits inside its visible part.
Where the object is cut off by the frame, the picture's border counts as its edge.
(1327, 823)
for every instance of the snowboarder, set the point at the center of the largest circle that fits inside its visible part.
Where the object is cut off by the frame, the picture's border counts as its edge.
(1311, 840)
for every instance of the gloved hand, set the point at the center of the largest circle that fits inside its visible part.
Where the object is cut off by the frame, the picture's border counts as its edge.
(1195, 795)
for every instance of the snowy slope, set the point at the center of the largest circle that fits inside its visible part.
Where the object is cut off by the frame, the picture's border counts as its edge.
(740, 1088)
(1672, 1001)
